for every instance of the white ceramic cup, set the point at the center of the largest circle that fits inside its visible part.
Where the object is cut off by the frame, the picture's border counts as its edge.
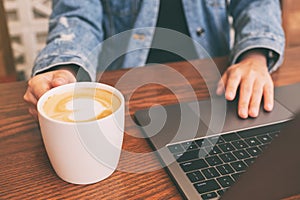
(83, 152)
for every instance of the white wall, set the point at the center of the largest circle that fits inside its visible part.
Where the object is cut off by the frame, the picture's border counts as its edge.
(28, 26)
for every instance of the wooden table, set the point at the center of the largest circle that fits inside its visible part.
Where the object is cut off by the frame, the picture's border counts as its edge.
(25, 171)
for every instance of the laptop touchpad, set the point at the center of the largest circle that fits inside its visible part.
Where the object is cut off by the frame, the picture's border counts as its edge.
(234, 123)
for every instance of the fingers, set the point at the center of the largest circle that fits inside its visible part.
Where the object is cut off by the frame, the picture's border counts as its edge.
(230, 81)
(232, 85)
(29, 97)
(261, 90)
(41, 83)
(254, 83)
(246, 87)
(268, 92)
(255, 101)
(62, 77)
(37, 86)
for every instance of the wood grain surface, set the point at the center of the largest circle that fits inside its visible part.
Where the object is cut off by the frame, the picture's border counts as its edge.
(26, 173)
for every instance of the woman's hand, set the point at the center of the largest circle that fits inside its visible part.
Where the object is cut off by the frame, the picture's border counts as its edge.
(41, 83)
(250, 75)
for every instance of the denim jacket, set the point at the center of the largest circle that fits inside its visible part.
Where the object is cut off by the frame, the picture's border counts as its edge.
(77, 29)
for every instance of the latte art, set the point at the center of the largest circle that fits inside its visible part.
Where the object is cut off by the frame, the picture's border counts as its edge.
(81, 105)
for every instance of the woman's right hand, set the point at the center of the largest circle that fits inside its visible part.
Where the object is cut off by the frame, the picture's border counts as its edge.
(43, 82)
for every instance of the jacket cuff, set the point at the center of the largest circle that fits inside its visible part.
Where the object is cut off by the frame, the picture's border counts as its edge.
(275, 50)
(83, 74)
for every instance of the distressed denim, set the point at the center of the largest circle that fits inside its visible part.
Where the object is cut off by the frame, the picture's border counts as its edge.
(77, 29)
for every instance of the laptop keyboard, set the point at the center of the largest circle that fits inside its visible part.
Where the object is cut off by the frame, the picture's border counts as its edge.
(213, 164)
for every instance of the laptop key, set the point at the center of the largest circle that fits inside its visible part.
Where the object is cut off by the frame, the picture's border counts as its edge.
(213, 150)
(239, 144)
(236, 176)
(225, 169)
(210, 173)
(175, 148)
(195, 176)
(254, 151)
(216, 140)
(221, 192)
(227, 157)
(203, 142)
(249, 161)
(193, 165)
(264, 146)
(210, 195)
(265, 139)
(225, 181)
(203, 153)
(177, 156)
(241, 154)
(207, 186)
(188, 155)
(189, 145)
(252, 141)
(220, 140)
(213, 160)
(226, 147)
(274, 134)
(238, 166)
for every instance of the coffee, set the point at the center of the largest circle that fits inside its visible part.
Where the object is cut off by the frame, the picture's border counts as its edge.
(81, 105)
(88, 151)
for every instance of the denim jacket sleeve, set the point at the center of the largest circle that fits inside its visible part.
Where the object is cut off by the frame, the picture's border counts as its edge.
(75, 32)
(257, 24)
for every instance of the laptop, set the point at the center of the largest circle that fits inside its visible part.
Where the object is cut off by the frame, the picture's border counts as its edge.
(275, 173)
(204, 161)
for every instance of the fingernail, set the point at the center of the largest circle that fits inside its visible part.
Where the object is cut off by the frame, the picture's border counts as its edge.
(269, 107)
(219, 90)
(230, 95)
(254, 112)
(243, 113)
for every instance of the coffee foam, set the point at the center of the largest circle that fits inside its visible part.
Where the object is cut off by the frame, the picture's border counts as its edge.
(84, 109)
(84, 104)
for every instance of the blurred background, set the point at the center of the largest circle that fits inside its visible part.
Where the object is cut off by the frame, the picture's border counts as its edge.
(24, 25)
(27, 24)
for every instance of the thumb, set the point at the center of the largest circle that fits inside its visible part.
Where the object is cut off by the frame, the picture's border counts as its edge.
(62, 77)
